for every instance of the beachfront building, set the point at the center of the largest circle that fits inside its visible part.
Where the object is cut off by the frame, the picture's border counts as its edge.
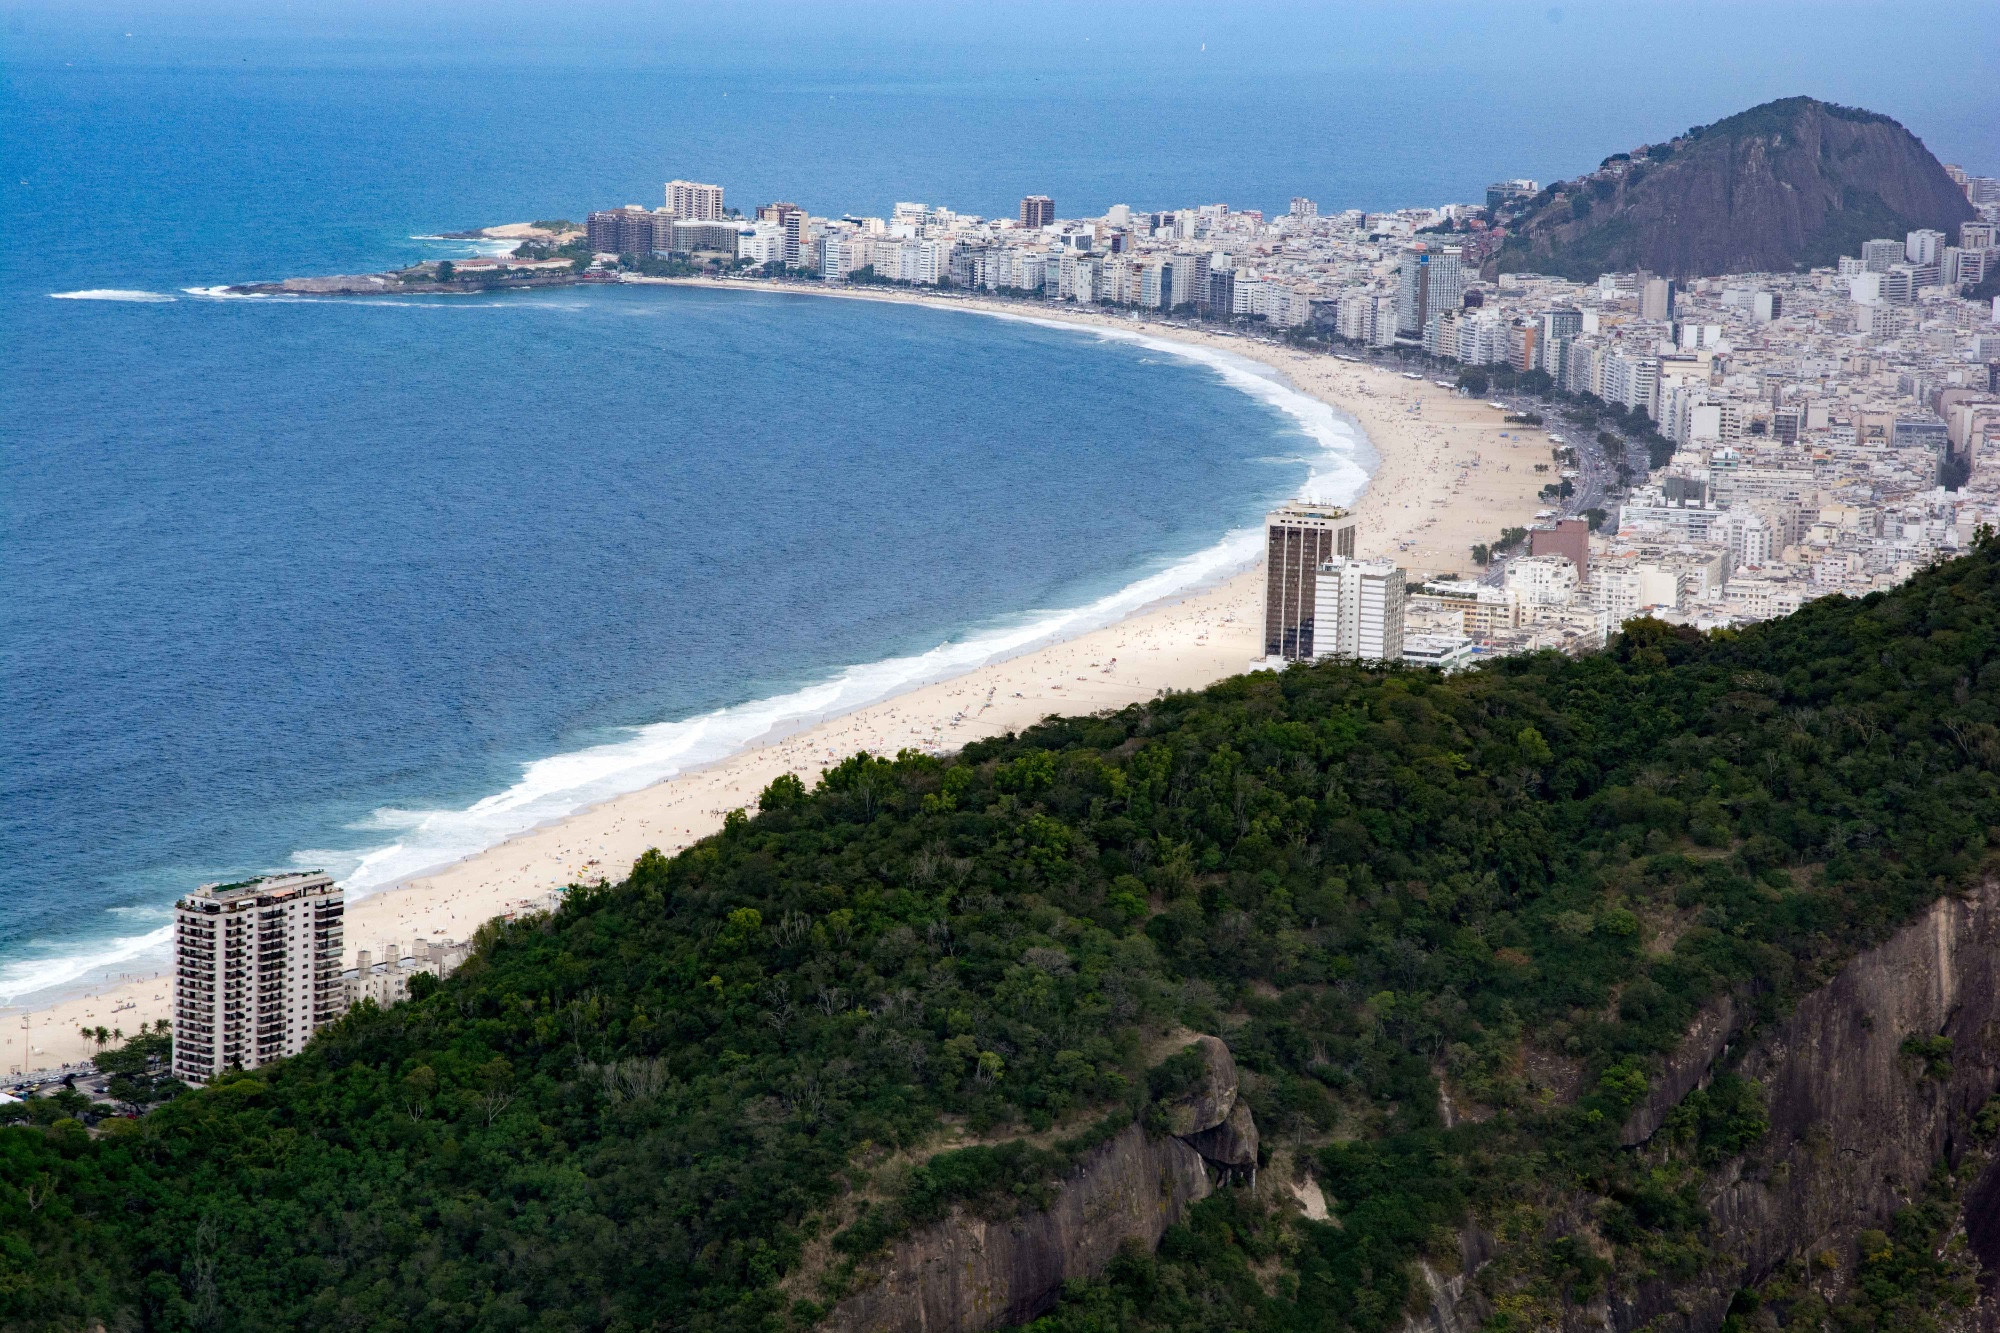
(386, 980)
(256, 971)
(1299, 538)
(694, 202)
(1358, 610)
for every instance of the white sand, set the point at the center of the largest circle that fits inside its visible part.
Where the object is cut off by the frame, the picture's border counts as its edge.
(1446, 480)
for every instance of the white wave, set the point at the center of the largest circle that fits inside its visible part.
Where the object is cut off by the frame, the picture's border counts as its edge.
(221, 292)
(552, 788)
(30, 976)
(475, 247)
(111, 294)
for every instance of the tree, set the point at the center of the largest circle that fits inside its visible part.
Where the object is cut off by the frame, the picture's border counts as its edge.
(447, 271)
(1474, 382)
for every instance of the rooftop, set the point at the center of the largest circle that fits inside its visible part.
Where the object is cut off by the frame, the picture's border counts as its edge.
(281, 884)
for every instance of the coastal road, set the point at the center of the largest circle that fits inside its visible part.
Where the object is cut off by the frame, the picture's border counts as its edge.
(1596, 478)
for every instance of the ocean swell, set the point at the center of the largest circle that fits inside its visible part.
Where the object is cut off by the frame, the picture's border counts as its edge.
(417, 841)
(553, 788)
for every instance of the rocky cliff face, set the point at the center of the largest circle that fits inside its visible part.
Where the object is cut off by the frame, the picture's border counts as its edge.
(1793, 182)
(967, 1274)
(1855, 1120)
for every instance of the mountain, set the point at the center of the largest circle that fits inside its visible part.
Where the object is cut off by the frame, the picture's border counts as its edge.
(1654, 988)
(1792, 183)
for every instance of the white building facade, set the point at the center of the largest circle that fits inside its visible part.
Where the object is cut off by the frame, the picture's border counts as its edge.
(1360, 610)
(256, 971)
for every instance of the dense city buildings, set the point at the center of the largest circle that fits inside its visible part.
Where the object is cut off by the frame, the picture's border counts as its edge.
(256, 971)
(1812, 432)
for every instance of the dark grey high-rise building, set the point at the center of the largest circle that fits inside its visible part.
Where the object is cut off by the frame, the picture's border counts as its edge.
(1299, 539)
(1038, 210)
(1220, 300)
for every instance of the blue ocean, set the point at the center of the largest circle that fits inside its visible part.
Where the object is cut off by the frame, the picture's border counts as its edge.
(370, 584)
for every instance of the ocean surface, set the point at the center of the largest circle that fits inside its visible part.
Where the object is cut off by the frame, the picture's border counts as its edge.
(369, 584)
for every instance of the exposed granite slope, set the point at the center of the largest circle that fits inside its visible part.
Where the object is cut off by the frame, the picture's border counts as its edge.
(967, 1274)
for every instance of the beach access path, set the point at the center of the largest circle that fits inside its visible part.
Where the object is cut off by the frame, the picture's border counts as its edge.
(1451, 473)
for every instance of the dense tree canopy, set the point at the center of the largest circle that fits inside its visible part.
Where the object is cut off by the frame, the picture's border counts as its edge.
(702, 1098)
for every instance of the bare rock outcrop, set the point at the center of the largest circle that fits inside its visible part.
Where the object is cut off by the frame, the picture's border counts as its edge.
(1208, 1104)
(1686, 1070)
(1855, 1121)
(1231, 1144)
(966, 1274)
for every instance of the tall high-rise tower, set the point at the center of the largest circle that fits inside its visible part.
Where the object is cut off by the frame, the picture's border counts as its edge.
(256, 971)
(1299, 539)
(693, 202)
(1359, 611)
(1038, 210)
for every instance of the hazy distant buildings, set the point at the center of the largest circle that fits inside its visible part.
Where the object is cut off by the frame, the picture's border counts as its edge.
(706, 238)
(1503, 192)
(694, 202)
(1038, 210)
(1656, 299)
(1299, 539)
(1876, 256)
(1358, 610)
(790, 221)
(630, 230)
(256, 971)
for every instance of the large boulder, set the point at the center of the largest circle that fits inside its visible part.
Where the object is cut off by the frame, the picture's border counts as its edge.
(1213, 1096)
(1231, 1144)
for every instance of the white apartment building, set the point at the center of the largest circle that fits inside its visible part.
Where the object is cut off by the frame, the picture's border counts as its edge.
(1359, 612)
(256, 971)
(387, 980)
(694, 202)
(1446, 652)
(1623, 590)
(1542, 580)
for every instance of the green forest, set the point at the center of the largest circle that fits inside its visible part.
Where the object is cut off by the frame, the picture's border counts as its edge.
(701, 1098)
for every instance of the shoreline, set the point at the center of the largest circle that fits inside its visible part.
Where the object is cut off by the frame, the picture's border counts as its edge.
(1442, 480)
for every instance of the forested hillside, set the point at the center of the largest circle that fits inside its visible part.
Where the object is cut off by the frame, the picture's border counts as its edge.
(701, 1098)
(1796, 182)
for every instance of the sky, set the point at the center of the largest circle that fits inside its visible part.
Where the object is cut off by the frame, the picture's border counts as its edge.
(1488, 89)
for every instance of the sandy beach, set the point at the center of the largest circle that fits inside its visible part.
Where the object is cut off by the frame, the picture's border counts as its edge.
(1446, 480)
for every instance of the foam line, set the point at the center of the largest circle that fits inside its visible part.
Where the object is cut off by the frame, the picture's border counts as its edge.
(29, 976)
(111, 294)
